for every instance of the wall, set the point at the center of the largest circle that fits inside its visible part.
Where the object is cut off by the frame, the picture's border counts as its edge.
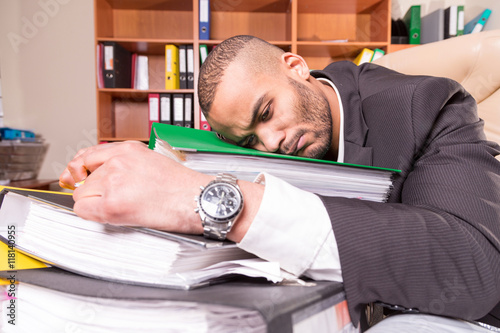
(47, 66)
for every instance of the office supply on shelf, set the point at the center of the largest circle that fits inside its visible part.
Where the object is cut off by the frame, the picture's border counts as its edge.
(364, 56)
(190, 66)
(399, 32)
(166, 108)
(377, 53)
(188, 111)
(178, 109)
(141, 70)
(203, 151)
(182, 67)
(460, 20)
(62, 297)
(412, 22)
(154, 109)
(171, 67)
(204, 19)
(117, 64)
(433, 26)
(203, 53)
(477, 23)
(450, 21)
(204, 125)
(47, 229)
(99, 65)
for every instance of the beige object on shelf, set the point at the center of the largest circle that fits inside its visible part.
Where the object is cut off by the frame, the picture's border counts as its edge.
(471, 60)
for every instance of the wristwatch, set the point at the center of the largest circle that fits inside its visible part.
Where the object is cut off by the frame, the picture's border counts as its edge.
(219, 205)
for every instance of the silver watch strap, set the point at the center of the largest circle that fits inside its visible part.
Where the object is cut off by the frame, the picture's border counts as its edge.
(214, 232)
(226, 177)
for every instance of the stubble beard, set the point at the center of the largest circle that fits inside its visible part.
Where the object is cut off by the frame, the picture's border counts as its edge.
(313, 109)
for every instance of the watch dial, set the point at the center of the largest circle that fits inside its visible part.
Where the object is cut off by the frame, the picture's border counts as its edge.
(221, 201)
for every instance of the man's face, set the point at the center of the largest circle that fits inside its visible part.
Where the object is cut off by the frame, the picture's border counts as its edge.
(275, 113)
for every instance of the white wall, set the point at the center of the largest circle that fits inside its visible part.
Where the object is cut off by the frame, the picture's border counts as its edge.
(47, 66)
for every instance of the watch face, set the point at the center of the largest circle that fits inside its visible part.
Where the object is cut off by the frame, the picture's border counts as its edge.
(221, 201)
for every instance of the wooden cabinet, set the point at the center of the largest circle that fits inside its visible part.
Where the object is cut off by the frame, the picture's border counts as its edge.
(321, 31)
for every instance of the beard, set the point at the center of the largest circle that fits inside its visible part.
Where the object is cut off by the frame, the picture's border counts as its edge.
(312, 108)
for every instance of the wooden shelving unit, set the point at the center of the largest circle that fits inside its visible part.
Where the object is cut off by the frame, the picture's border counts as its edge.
(320, 31)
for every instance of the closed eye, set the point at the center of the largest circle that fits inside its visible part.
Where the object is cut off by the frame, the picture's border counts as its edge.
(249, 141)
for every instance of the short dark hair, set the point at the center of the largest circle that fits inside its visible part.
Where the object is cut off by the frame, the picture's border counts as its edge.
(212, 70)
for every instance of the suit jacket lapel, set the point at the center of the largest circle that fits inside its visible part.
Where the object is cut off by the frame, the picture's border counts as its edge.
(355, 128)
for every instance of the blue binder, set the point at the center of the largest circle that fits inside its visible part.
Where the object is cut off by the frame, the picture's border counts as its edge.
(204, 19)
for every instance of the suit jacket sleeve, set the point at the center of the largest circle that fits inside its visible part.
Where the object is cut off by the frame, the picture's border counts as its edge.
(435, 245)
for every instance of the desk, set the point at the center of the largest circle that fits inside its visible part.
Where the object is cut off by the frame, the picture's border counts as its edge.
(35, 184)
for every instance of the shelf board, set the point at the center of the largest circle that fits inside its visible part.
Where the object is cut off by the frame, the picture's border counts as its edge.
(145, 45)
(134, 93)
(112, 139)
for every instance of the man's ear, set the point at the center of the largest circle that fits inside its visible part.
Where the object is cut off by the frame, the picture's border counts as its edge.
(296, 63)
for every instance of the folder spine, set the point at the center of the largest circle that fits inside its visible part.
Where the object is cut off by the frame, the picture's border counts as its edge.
(190, 66)
(188, 111)
(166, 109)
(204, 19)
(117, 63)
(182, 67)
(171, 67)
(178, 109)
(154, 109)
(412, 21)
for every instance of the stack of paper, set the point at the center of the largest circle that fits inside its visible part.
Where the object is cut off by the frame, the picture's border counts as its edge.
(203, 151)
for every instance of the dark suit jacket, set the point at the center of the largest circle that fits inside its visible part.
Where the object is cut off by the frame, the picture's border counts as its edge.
(435, 245)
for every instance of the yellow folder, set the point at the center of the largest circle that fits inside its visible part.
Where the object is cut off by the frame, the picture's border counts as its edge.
(364, 56)
(171, 67)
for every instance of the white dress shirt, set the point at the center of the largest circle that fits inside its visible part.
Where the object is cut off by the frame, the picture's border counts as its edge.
(292, 226)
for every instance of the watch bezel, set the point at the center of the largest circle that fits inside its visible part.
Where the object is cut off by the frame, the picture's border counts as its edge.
(228, 217)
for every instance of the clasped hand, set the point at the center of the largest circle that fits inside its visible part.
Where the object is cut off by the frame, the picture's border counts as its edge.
(128, 184)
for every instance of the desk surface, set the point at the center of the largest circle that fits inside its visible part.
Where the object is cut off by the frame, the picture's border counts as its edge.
(36, 184)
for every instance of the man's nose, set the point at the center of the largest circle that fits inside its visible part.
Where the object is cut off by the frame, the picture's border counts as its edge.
(271, 139)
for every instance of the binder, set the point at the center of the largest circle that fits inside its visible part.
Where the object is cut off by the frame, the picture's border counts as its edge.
(270, 307)
(154, 109)
(203, 53)
(204, 125)
(399, 33)
(190, 66)
(477, 23)
(171, 67)
(100, 56)
(182, 67)
(117, 69)
(141, 69)
(450, 22)
(412, 22)
(166, 109)
(204, 19)
(460, 20)
(178, 110)
(188, 111)
(432, 29)
(377, 53)
(364, 56)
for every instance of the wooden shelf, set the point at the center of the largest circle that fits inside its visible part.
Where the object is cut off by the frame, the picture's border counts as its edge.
(306, 27)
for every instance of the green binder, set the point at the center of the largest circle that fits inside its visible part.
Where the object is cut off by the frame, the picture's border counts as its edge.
(412, 22)
(195, 140)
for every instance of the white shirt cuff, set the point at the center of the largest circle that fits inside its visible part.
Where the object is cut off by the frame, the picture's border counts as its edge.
(292, 227)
